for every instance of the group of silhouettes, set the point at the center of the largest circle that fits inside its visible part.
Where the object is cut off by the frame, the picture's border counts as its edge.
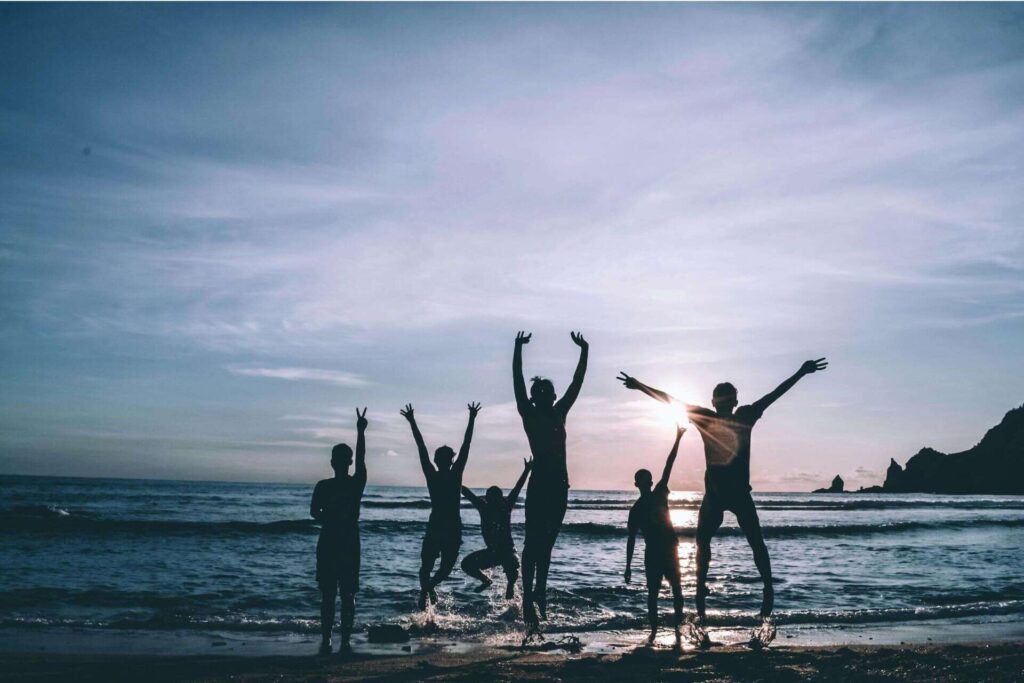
(725, 431)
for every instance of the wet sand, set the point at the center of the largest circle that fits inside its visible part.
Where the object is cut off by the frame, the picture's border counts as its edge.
(992, 662)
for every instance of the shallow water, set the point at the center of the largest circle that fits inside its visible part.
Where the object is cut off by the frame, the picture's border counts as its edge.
(169, 556)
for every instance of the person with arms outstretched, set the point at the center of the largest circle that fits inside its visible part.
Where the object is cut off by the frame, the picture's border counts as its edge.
(726, 435)
(496, 526)
(335, 505)
(547, 495)
(650, 516)
(444, 527)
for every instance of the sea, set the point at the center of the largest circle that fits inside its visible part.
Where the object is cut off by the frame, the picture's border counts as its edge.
(109, 556)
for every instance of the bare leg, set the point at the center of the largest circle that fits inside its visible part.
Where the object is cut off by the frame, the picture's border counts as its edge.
(328, 592)
(473, 565)
(709, 519)
(511, 574)
(652, 608)
(677, 599)
(529, 567)
(540, 596)
(449, 556)
(751, 525)
(427, 558)
(348, 615)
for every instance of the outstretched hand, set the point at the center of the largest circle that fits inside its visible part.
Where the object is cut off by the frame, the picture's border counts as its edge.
(361, 419)
(474, 408)
(680, 430)
(630, 382)
(813, 366)
(527, 464)
(406, 412)
(578, 340)
(523, 338)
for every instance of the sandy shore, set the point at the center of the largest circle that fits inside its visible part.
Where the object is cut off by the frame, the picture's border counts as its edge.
(994, 662)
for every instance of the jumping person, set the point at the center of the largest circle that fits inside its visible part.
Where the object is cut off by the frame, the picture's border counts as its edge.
(496, 525)
(547, 496)
(726, 435)
(444, 528)
(335, 505)
(650, 516)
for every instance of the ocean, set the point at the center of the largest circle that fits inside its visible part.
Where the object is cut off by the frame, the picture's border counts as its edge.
(105, 555)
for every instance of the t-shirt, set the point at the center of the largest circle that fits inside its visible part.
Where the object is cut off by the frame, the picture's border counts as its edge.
(726, 445)
(339, 498)
(650, 515)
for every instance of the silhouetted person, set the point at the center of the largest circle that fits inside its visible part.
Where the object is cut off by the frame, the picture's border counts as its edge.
(650, 516)
(547, 496)
(726, 434)
(496, 526)
(444, 528)
(335, 505)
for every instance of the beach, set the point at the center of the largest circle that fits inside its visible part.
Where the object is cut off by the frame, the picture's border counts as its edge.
(981, 662)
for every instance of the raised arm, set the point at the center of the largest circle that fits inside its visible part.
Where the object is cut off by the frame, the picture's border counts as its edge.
(460, 461)
(513, 495)
(518, 383)
(472, 498)
(671, 457)
(807, 368)
(361, 445)
(656, 394)
(428, 468)
(573, 392)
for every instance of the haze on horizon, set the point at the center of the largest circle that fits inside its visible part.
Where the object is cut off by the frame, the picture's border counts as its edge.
(223, 227)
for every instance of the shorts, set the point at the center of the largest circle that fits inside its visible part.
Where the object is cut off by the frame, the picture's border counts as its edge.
(718, 500)
(493, 557)
(441, 540)
(662, 562)
(337, 562)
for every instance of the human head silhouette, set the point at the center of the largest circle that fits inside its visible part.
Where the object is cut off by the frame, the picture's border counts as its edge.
(341, 458)
(643, 480)
(494, 495)
(723, 398)
(542, 392)
(443, 458)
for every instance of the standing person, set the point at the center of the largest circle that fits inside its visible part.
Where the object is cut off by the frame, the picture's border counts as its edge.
(496, 526)
(650, 516)
(444, 528)
(547, 496)
(726, 435)
(335, 505)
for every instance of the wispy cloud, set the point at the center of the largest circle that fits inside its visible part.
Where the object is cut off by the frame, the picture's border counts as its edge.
(709, 191)
(345, 379)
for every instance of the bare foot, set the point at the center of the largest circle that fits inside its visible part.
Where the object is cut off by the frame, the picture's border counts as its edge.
(483, 586)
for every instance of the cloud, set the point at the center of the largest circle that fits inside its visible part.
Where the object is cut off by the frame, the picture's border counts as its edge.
(345, 379)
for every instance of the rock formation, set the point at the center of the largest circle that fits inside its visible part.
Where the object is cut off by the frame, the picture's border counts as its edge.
(994, 466)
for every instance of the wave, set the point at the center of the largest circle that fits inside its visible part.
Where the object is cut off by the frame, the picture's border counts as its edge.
(51, 519)
(579, 622)
(797, 530)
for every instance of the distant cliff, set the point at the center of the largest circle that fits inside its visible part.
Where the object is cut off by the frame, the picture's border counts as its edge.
(994, 466)
(836, 487)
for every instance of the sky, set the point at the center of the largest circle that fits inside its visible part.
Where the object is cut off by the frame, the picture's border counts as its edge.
(222, 228)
